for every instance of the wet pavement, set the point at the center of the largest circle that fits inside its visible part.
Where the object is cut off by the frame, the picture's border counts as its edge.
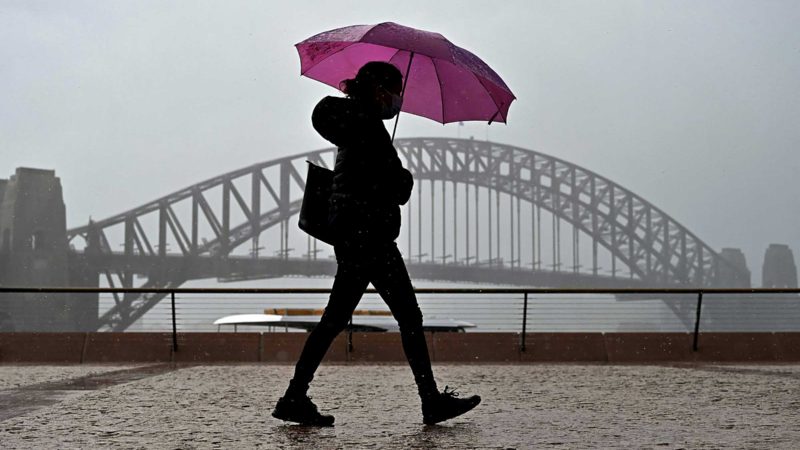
(28, 397)
(524, 406)
(17, 376)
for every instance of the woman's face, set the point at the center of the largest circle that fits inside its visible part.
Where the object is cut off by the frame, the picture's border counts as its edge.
(384, 93)
(389, 100)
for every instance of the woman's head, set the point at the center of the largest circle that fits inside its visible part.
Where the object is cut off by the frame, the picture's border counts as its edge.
(379, 83)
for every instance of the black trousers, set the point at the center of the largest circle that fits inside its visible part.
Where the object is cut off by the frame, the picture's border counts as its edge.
(359, 263)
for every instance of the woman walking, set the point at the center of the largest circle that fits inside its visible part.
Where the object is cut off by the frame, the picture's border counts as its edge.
(369, 186)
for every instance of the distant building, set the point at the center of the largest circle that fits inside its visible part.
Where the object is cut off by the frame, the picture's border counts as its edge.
(779, 270)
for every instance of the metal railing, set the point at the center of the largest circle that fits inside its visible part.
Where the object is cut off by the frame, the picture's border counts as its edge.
(531, 298)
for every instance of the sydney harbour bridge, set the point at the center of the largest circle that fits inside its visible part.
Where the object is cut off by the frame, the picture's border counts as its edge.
(481, 212)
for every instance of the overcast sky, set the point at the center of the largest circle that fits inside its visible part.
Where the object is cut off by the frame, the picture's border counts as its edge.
(692, 105)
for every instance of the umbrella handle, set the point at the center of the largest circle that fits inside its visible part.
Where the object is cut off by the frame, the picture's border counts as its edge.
(402, 93)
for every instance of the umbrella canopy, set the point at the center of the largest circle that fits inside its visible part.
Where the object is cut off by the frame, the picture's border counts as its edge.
(444, 82)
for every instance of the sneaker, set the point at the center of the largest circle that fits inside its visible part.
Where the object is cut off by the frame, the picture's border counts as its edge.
(446, 406)
(301, 410)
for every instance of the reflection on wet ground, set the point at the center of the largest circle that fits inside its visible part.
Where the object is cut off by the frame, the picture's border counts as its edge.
(525, 406)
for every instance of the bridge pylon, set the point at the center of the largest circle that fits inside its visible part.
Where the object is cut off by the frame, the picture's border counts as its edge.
(34, 252)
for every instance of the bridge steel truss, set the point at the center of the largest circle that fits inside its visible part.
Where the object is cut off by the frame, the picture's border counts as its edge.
(655, 248)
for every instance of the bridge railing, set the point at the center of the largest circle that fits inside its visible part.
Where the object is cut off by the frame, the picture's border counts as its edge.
(516, 310)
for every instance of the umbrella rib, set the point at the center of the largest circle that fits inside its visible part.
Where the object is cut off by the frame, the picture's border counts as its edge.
(441, 88)
(480, 80)
(393, 56)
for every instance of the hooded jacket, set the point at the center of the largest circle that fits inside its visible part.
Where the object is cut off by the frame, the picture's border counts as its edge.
(369, 181)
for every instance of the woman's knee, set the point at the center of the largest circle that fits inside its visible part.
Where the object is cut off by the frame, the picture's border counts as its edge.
(333, 322)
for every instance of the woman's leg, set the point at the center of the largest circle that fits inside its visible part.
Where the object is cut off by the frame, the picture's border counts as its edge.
(390, 278)
(348, 287)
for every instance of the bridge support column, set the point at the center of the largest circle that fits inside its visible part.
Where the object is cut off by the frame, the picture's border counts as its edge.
(35, 253)
(84, 274)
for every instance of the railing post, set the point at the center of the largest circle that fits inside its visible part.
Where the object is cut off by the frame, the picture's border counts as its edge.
(350, 337)
(697, 320)
(524, 322)
(174, 325)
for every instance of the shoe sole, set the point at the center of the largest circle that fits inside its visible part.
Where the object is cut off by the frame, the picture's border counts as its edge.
(305, 423)
(434, 422)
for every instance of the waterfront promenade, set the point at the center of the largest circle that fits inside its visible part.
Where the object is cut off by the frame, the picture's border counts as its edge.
(524, 406)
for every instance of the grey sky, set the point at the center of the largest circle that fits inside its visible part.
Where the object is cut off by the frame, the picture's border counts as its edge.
(693, 105)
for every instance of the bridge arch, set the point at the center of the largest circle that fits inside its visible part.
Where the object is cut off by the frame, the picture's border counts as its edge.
(653, 245)
(656, 249)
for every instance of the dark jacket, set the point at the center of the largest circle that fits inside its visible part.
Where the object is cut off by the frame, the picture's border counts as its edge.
(369, 181)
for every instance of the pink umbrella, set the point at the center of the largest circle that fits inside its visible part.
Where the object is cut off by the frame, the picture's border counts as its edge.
(444, 82)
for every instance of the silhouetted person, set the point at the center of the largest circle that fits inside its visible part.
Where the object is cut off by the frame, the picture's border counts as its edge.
(369, 186)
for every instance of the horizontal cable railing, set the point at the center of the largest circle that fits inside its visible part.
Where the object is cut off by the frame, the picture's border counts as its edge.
(518, 310)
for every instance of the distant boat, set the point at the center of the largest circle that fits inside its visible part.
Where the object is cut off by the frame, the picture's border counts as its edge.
(362, 320)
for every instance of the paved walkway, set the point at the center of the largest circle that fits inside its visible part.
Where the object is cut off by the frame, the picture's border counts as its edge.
(525, 406)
